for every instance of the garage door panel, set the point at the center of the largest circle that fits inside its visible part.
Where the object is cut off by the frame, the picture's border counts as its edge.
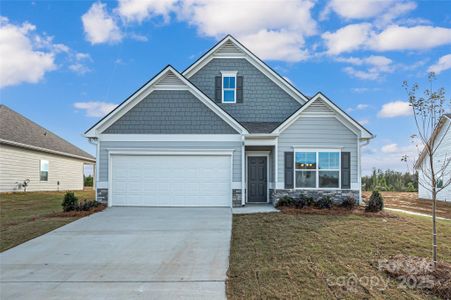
(185, 180)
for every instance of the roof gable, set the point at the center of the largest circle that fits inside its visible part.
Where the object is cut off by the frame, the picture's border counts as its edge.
(19, 131)
(167, 79)
(320, 105)
(229, 47)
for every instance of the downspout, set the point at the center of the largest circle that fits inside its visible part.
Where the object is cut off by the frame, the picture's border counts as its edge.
(243, 170)
(95, 142)
(360, 167)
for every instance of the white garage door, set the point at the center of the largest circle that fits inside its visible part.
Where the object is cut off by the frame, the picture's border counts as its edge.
(172, 180)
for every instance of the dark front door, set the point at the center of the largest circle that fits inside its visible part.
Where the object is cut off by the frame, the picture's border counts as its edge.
(257, 179)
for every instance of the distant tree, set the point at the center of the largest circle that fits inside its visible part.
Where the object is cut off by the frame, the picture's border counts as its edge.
(427, 112)
(390, 180)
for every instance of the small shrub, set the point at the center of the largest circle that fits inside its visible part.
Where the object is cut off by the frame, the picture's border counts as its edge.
(309, 201)
(87, 205)
(299, 202)
(324, 202)
(70, 202)
(285, 201)
(376, 202)
(349, 202)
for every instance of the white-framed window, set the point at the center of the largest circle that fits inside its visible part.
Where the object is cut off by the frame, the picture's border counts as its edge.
(229, 86)
(44, 170)
(317, 169)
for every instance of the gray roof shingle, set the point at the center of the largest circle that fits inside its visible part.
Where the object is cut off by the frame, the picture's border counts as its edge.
(260, 127)
(16, 128)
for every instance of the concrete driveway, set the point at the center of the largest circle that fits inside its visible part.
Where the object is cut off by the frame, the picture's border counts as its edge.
(124, 253)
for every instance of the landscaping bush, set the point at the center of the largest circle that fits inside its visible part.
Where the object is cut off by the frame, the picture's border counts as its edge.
(324, 202)
(376, 202)
(285, 201)
(349, 202)
(70, 202)
(299, 202)
(87, 205)
(309, 201)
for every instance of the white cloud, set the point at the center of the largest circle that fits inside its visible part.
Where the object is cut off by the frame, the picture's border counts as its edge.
(360, 106)
(364, 122)
(24, 55)
(285, 24)
(99, 26)
(95, 108)
(283, 46)
(374, 65)
(357, 9)
(79, 61)
(348, 38)
(390, 148)
(140, 10)
(410, 38)
(395, 109)
(365, 36)
(444, 63)
(360, 90)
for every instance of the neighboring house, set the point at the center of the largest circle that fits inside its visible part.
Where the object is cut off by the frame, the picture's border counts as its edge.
(442, 135)
(31, 152)
(226, 131)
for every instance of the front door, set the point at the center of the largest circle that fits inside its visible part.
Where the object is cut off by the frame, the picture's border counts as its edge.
(257, 179)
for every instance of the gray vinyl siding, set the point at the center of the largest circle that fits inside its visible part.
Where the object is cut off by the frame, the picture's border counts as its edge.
(318, 132)
(170, 112)
(18, 164)
(104, 146)
(263, 100)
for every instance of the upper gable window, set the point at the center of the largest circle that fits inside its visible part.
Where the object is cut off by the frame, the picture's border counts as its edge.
(229, 87)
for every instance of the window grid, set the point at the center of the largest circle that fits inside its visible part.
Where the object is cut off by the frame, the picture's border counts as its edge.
(317, 170)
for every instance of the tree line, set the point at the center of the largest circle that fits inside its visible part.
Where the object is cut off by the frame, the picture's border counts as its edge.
(390, 180)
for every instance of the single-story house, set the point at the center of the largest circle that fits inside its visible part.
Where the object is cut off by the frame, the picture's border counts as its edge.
(226, 131)
(442, 160)
(32, 154)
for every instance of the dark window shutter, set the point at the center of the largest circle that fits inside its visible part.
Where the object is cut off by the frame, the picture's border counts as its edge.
(218, 89)
(289, 171)
(239, 89)
(345, 170)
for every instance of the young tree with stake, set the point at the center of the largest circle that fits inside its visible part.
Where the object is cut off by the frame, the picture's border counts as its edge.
(434, 174)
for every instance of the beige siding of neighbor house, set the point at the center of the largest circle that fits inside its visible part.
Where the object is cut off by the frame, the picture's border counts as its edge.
(18, 164)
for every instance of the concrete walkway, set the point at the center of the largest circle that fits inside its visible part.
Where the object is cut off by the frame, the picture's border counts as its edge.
(254, 209)
(124, 253)
(414, 213)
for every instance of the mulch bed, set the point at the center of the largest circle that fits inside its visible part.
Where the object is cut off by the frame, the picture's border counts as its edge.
(336, 211)
(419, 273)
(79, 214)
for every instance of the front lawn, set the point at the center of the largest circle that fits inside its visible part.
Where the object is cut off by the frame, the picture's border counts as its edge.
(309, 256)
(24, 216)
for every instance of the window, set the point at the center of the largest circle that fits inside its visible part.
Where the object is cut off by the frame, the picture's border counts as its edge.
(44, 170)
(317, 169)
(228, 87)
(439, 183)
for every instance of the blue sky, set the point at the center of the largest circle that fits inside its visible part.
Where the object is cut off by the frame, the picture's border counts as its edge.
(66, 63)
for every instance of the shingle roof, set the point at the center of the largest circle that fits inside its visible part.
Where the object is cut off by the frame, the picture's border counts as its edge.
(260, 127)
(16, 129)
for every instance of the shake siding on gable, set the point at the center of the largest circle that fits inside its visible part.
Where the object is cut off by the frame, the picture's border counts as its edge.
(317, 131)
(104, 146)
(170, 112)
(18, 164)
(263, 100)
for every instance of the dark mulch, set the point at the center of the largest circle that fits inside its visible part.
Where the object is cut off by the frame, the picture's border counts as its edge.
(337, 211)
(79, 214)
(419, 273)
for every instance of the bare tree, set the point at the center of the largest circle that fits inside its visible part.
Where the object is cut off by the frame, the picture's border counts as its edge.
(434, 172)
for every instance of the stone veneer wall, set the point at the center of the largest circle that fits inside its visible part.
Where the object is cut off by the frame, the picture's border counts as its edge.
(236, 197)
(102, 195)
(337, 196)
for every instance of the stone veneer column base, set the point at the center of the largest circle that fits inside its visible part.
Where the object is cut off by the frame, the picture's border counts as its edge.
(102, 195)
(337, 196)
(236, 197)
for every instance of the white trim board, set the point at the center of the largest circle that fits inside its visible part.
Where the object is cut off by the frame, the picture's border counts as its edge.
(170, 137)
(148, 88)
(251, 58)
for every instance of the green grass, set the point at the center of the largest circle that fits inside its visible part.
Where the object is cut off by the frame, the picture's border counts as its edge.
(282, 256)
(24, 216)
